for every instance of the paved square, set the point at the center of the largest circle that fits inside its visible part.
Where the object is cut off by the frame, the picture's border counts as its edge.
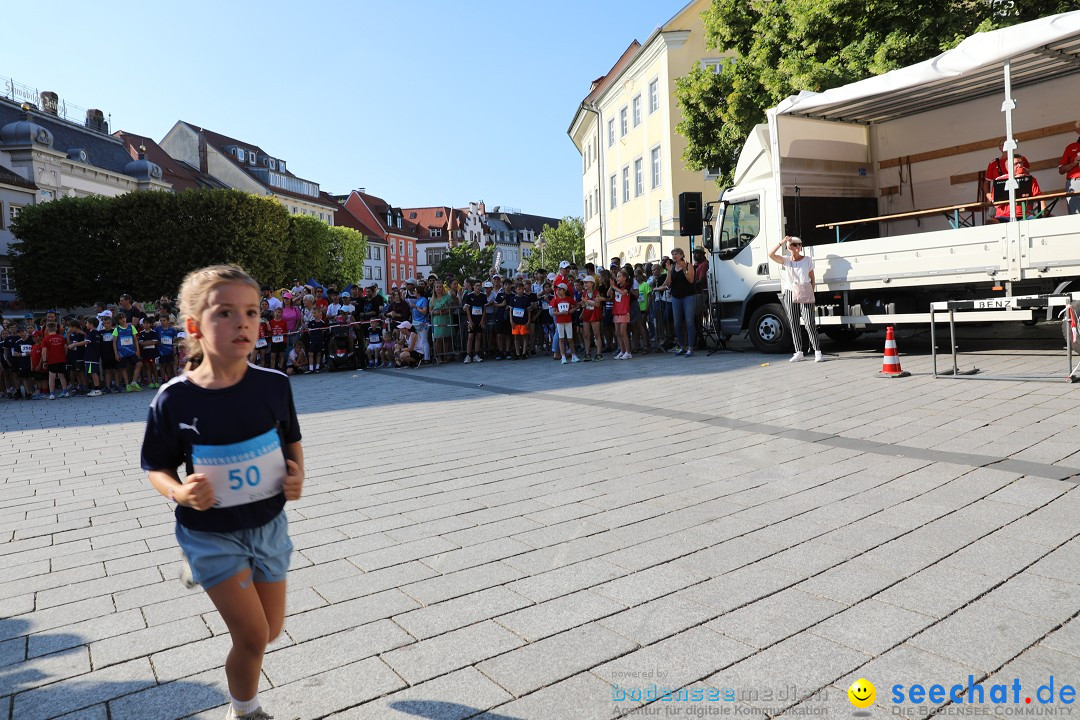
(536, 541)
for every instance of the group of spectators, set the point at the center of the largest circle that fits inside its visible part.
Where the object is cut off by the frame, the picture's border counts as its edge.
(997, 172)
(577, 314)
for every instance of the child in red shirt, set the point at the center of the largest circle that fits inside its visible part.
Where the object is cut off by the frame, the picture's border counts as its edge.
(54, 348)
(38, 365)
(563, 307)
(278, 348)
(622, 293)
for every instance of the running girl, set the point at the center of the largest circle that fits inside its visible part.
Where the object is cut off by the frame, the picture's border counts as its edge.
(233, 427)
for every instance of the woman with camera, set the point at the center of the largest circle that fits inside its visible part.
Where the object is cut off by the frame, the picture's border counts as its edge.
(683, 297)
(797, 284)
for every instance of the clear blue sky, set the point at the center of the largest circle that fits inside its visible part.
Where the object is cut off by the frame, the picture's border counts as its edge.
(421, 102)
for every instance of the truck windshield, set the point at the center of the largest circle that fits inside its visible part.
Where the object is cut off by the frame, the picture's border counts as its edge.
(742, 223)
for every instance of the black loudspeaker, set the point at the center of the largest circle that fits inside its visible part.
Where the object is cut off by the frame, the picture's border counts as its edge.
(690, 220)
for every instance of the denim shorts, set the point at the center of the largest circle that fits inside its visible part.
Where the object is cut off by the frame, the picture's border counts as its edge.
(217, 556)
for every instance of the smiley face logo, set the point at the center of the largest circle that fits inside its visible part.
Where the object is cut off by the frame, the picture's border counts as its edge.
(862, 693)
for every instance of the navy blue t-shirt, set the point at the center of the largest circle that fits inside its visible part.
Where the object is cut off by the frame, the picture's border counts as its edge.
(76, 354)
(93, 349)
(147, 336)
(520, 303)
(187, 419)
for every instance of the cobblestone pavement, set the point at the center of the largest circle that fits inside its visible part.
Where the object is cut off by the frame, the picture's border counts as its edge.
(528, 540)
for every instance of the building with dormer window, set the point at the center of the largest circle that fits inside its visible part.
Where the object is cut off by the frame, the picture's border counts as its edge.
(44, 156)
(246, 166)
(387, 223)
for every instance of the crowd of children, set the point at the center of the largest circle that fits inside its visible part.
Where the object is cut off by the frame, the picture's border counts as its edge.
(576, 315)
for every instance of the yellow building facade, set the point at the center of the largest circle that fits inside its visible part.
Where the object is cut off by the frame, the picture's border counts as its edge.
(632, 169)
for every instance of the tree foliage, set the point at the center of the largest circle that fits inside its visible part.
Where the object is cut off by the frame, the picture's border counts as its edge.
(75, 251)
(780, 47)
(465, 260)
(565, 242)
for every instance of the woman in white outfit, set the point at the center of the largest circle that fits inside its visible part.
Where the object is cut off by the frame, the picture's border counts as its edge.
(798, 285)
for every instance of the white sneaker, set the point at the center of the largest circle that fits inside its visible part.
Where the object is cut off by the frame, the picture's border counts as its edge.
(575, 358)
(797, 357)
(186, 578)
(817, 356)
(618, 355)
(477, 358)
(627, 356)
(564, 360)
(468, 359)
(259, 714)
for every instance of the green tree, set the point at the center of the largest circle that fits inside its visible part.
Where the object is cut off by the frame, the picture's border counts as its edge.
(780, 47)
(465, 260)
(348, 248)
(565, 242)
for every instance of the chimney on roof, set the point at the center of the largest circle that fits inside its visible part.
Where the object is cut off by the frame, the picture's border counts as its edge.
(361, 190)
(95, 120)
(49, 102)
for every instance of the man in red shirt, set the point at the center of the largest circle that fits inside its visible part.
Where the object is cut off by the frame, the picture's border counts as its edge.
(320, 299)
(1070, 168)
(54, 348)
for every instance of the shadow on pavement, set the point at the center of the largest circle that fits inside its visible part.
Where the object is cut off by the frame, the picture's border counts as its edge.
(437, 710)
(48, 686)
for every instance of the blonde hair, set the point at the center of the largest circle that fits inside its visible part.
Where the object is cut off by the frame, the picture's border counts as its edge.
(195, 296)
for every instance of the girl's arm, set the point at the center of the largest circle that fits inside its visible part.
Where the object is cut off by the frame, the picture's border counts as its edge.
(196, 493)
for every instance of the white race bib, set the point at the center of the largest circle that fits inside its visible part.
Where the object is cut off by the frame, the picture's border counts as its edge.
(26, 349)
(373, 339)
(260, 343)
(618, 296)
(478, 311)
(564, 307)
(519, 312)
(278, 338)
(126, 341)
(243, 472)
(166, 339)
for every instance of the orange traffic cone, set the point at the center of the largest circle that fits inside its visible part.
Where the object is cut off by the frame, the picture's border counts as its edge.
(890, 366)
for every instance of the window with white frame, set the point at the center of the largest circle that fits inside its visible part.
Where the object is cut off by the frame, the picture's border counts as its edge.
(639, 180)
(7, 279)
(410, 249)
(378, 253)
(368, 252)
(626, 184)
(611, 132)
(614, 192)
(654, 95)
(401, 271)
(624, 122)
(378, 273)
(401, 247)
(654, 159)
(393, 272)
(367, 272)
(13, 213)
(635, 106)
(713, 65)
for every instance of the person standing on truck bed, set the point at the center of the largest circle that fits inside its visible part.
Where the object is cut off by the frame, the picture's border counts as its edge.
(797, 283)
(1070, 168)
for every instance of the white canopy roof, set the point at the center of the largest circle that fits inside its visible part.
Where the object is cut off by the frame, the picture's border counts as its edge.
(1040, 50)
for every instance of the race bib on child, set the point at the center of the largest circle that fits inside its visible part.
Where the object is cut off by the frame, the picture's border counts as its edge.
(126, 341)
(26, 349)
(373, 339)
(278, 338)
(478, 311)
(260, 343)
(618, 296)
(519, 312)
(564, 307)
(243, 472)
(166, 340)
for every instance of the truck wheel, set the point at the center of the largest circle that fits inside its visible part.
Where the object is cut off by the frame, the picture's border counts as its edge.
(769, 331)
(842, 333)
